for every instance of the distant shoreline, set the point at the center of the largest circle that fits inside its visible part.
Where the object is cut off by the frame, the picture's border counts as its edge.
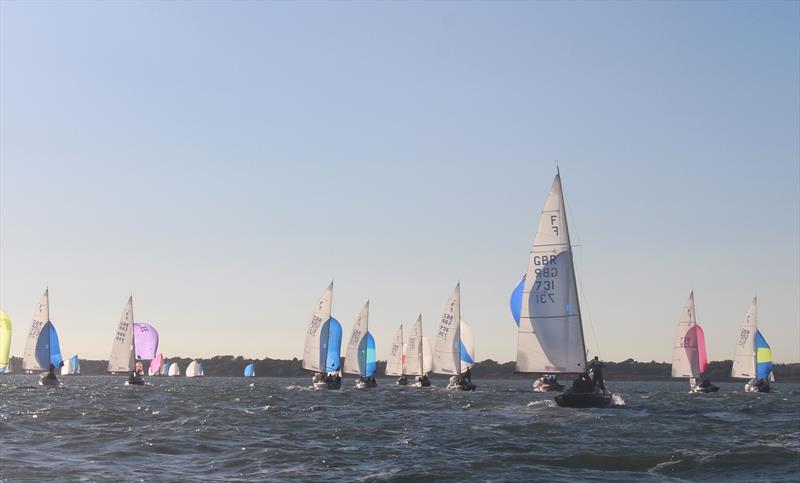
(628, 370)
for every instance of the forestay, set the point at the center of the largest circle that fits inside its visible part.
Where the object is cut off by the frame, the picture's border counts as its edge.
(395, 364)
(550, 334)
(744, 362)
(447, 347)
(689, 349)
(355, 359)
(122, 350)
(315, 351)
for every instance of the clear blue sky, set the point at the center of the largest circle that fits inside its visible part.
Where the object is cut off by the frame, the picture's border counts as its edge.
(223, 161)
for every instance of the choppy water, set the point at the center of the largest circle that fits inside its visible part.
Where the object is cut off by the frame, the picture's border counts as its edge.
(223, 428)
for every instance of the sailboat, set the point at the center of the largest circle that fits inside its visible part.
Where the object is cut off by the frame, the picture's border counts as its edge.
(419, 356)
(250, 370)
(42, 350)
(322, 350)
(194, 369)
(174, 369)
(71, 367)
(447, 348)
(5, 342)
(753, 360)
(123, 349)
(360, 357)
(689, 358)
(396, 363)
(156, 366)
(550, 334)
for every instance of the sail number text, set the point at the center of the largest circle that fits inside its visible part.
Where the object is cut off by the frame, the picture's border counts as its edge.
(543, 289)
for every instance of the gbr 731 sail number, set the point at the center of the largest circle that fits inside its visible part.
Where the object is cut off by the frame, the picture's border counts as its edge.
(542, 289)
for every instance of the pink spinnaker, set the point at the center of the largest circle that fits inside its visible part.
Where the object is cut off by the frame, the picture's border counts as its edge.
(155, 365)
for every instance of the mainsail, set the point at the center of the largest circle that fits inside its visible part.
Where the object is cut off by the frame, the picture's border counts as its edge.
(122, 350)
(395, 364)
(467, 347)
(414, 350)
(250, 370)
(156, 365)
(689, 357)
(42, 347)
(145, 340)
(550, 334)
(447, 348)
(5, 341)
(315, 352)
(355, 360)
(744, 362)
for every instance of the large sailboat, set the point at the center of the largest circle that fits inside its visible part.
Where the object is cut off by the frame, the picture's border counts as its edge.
(123, 349)
(447, 348)
(689, 358)
(5, 342)
(419, 355)
(396, 362)
(753, 360)
(550, 334)
(360, 357)
(42, 350)
(322, 351)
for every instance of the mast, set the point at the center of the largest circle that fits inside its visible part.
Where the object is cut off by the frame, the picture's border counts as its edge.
(755, 337)
(572, 266)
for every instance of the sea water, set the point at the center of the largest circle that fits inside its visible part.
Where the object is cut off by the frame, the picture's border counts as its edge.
(212, 428)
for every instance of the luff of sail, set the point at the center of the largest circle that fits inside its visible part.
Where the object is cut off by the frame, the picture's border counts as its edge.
(550, 333)
(447, 348)
(414, 350)
(5, 341)
(689, 348)
(122, 350)
(41, 316)
(315, 351)
(394, 364)
(355, 359)
(744, 362)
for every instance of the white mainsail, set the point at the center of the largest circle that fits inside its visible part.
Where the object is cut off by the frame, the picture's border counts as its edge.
(685, 357)
(395, 364)
(40, 317)
(550, 334)
(312, 360)
(447, 348)
(468, 347)
(744, 362)
(414, 350)
(122, 358)
(353, 362)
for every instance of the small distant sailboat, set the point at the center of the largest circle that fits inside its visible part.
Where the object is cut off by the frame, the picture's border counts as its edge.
(123, 349)
(753, 360)
(689, 358)
(361, 358)
(156, 366)
(5, 342)
(195, 369)
(419, 355)
(42, 350)
(71, 367)
(550, 335)
(174, 369)
(396, 363)
(447, 348)
(250, 370)
(322, 351)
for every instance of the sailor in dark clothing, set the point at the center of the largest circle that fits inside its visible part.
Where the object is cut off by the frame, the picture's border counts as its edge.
(467, 376)
(596, 370)
(51, 372)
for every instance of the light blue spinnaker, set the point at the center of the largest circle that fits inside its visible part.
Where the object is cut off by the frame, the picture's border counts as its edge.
(332, 345)
(370, 356)
(465, 357)
(166, 368)
(249, 371)
(516, 301)
(763, 357)
(48, 350)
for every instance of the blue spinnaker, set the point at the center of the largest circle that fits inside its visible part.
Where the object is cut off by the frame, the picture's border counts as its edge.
(465, 357)
(166, 368)
(371, 356)
(333, 360)
(515, 302)
(763, 357)
(249, 371)
(73, 364)
(48, 351)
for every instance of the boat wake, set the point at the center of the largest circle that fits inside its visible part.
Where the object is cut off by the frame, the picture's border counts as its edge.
(616, 400)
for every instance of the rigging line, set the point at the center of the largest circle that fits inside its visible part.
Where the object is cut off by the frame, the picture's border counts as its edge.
(582, 294)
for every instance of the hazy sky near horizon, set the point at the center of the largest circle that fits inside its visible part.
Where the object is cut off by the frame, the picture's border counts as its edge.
(224, 161)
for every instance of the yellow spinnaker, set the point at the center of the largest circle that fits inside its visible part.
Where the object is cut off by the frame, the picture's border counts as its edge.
(5, 340)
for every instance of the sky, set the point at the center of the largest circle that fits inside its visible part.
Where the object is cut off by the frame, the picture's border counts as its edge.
(223, 162)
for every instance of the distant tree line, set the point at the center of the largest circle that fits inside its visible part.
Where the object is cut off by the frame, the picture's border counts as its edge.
(719, 371)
